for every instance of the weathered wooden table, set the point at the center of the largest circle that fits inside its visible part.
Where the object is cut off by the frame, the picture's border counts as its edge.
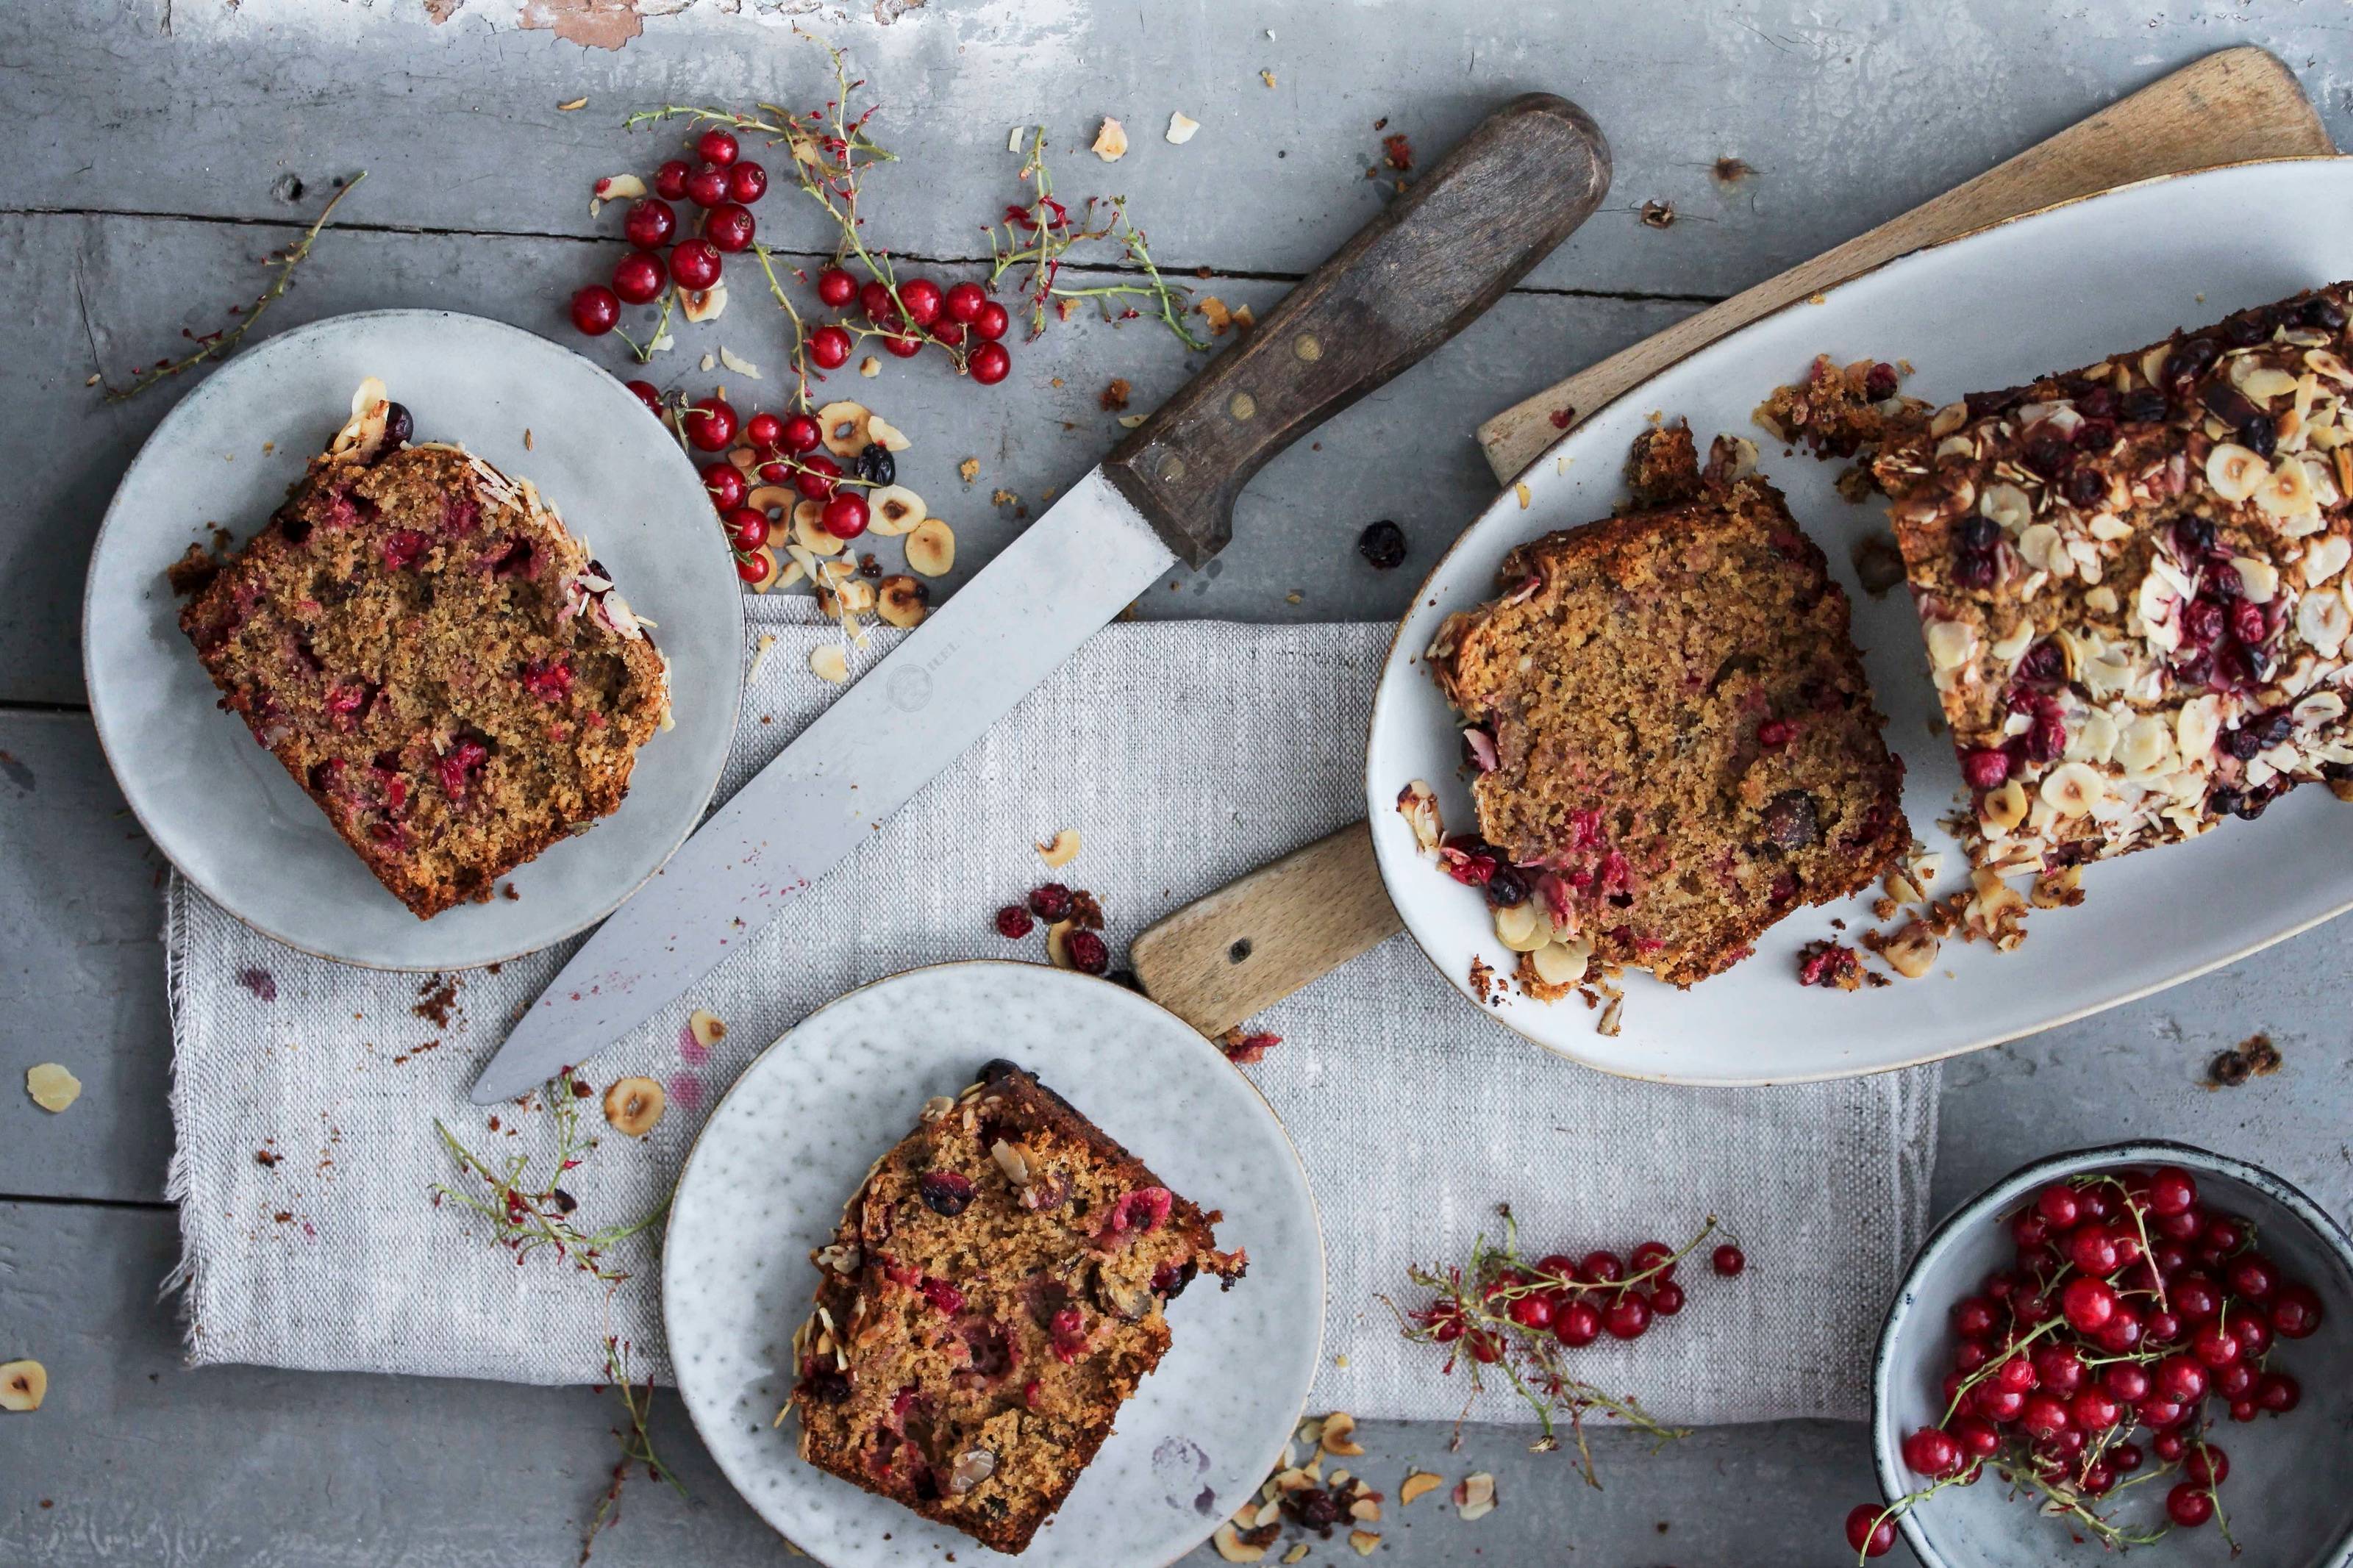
(163, 146)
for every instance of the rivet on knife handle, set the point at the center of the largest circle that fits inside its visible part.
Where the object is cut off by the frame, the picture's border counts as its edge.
(1434, 260)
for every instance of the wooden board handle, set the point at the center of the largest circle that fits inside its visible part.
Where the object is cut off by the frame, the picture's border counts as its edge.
(1255, 940)
(2240, 103)
(1434, 260)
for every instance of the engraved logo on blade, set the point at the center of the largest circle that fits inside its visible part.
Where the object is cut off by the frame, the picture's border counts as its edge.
(910, 689)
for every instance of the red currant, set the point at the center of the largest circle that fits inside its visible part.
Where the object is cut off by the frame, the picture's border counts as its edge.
(989, 364)
(595, 309)
(902, 345)
(669, 180)
(694, 264)
(815, 478)
(707, 186)
(710, 424)
(2017, 1373)
(2214, 1345)
(725, 483)
(2123, 1333)
(2235, 1381)
(2090, 1304)
(874, 298)
(2091, 1249)
(2029, 1230)
(753, 569)
(2092, 1411)
(1998, 1405)
(948, 332)
(2044, 1415)
(2294, 1312)
(1600, 1267)
(1667, 1299)
(2195, 1297)
(798, 433)
(2181, 1380)
(2253, 1333)
(1932, 1453)
(2171, 1191)
(748, 527)
(1973, 1316)
(922, 298)
(2168, 1447)
(2058, 1368)
(2253, 1276)
(2126, 1381)
(2278, 1393)
(1871, 1530)
(649, 395)
(716, 146)
(1627, 1317)
(962, 301)
(835, 287)
(2125, 1457)
(2159, 1413)
(638, 278)
(2205, 1465)
(1653, 1254)
(763, 430)
(1727, 1260)
(844, 515)
(1484, 1347)
(1976, 1435)
(991, 322)
(649, 224)
(746, 182)
(729, 226)
(828, 348)
(1529, 1311)
(1575, 1323)
(2058, 1204)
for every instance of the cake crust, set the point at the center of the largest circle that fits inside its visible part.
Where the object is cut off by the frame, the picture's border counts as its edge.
(1675, 740)
(2132, 582)
(431, 656)
(995, 1291)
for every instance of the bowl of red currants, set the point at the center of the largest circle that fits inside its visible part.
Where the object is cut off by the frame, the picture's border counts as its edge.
(2145, 1344)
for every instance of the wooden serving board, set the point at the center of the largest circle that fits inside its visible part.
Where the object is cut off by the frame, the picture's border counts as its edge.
(1225, 957)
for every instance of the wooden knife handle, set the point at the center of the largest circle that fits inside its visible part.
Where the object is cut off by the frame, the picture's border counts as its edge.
(1435, 258)
(1258, 939)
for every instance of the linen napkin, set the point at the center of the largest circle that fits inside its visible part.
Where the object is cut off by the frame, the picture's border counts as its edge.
(306, 1092)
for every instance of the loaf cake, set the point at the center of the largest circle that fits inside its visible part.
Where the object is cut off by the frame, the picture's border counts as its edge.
(995, 1291)
(2132, 579)
(1674, 742)
(432, 658)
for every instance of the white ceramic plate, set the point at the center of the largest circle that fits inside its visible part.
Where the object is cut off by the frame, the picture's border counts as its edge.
(2047, 292)
(795, 1136)
(220, 806)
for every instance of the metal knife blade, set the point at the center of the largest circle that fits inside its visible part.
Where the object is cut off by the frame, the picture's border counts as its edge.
(921, 708)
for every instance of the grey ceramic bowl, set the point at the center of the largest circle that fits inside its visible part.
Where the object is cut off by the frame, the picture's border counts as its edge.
(2289, 1494)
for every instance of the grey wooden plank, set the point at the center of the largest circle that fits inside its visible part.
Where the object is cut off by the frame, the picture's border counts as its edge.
(125, 297)
(81, 970)
(140, 1460)
(1848, 117)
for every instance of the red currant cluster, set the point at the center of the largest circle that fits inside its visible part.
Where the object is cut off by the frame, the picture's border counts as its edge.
(904, 317)
(1518, 1317)
(2128, 1305)
(724, 185)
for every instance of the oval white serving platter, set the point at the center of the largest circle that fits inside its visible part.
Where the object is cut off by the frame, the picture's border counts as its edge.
(2046, 292)
(221, 807)
(766, 1180)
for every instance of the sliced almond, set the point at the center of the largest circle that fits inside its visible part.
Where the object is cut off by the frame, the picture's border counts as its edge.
(1523, 927)
(1338, 1434)
(1363, 1541)
(1417, 1483)
(707, 1028)
(1298, 1552)
(2073, 789)
(931, 548)
(1562, 963)
(1061, 849)
(737, 364)
(1911, 951)
(828, 662)
(1228, 1543)
(52, 1086)
(809, 531)
(1181, 127)
(844, 426)
(703, 304)
(635, 1105)
(895, 509)
(22, 1385)
(845, 594)
(1366, 1510)
(1474, 1496)
(2004, 808)
(1111, 140)
(885, 434)
(904, 600)
(1012, 1161)
(612, 187)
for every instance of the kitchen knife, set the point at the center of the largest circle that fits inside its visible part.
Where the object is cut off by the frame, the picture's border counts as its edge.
(1437, 256)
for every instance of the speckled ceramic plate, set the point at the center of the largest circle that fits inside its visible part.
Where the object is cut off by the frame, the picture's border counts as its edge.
(219, 806)
(785, 1150)
(2053, 290)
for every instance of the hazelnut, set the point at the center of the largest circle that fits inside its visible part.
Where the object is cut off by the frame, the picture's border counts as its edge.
(1338, 1435)
(1061, 849)
(931, 548)
(809, 532)
(703, 304)
(22, 1385)
(845, 425)
(1474, 1496)
(635, 1105)
(707, 1029)
(894, 509)
(903, 601)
